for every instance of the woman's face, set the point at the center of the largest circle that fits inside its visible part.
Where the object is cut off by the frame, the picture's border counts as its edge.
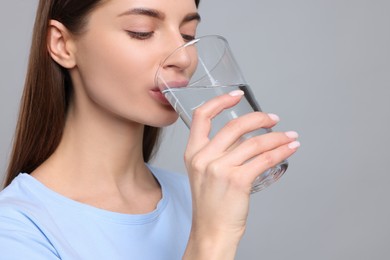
(119, 53)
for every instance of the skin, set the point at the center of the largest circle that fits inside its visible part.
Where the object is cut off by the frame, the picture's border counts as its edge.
(99, 160)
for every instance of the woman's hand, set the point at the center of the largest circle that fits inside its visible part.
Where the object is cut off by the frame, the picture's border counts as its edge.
(221, 174)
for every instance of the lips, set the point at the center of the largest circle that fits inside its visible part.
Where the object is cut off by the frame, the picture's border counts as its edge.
(156, 92)
(176, 84)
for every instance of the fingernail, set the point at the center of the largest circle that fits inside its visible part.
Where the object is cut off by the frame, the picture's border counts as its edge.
(274, 117)
(292, 134)
(236, 93)
(294, 145)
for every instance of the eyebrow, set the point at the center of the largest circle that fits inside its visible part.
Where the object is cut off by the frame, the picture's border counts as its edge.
(191, 17)
(144, 11)
(159, 15)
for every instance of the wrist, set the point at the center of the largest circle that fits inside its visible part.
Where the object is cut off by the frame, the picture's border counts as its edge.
(212, 246)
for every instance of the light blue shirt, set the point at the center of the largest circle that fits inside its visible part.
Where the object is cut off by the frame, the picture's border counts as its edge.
(38, 223)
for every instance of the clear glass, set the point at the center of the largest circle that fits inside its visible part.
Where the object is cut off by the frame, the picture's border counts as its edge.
(200, 70)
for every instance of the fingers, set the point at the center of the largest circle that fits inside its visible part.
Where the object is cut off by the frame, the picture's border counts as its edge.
(202, 116)
(224, 155)
(257, 145)
(256, 155)
(236, 128)
(232, 131)
(259, 164)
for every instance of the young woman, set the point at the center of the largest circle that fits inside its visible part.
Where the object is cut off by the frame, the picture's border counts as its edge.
(79, 185)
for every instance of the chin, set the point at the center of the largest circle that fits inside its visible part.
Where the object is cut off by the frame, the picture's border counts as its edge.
(164, 119)
(166, 123)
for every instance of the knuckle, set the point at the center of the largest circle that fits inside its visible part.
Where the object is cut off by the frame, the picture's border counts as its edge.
(217, 173)
(260, 118)
(214, 168)
(255, 144)
(268, 160)
(187, 157)
(197, 162)
(200, 112)
(248, 122)
(233, 125)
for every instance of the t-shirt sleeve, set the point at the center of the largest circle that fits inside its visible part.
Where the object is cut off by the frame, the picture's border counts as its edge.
(21, 240)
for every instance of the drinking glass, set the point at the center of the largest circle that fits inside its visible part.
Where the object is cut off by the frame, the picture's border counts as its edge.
(205, 68)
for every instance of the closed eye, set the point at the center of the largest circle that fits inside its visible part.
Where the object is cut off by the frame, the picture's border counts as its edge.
(188, 37)
(140, 35)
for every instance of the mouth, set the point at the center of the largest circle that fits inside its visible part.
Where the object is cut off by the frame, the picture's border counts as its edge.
(176, 84)
(159, 96)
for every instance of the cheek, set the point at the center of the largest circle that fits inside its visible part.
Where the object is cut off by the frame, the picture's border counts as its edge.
(115, 65)
(115, 71)
(119, 78)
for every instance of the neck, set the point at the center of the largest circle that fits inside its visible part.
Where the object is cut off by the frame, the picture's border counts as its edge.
(98, 153)
(104, 146)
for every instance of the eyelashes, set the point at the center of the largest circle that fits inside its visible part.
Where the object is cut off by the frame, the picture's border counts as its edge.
(140, 35)
(188, 37)
(148, 35)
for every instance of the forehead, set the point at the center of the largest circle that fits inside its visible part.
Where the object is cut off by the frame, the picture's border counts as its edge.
(112, 11)
(167, 6)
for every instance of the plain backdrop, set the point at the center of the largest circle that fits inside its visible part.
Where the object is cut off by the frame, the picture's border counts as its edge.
(324, 67)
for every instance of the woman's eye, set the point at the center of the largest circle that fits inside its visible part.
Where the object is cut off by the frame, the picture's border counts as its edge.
(140, 35)
(188, 37)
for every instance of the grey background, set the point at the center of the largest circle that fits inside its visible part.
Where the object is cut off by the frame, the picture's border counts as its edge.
(324, 67)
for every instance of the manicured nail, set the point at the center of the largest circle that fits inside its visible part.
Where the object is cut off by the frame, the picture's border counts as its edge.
(274, 117)
(236, 93)
(292, 134)
(294, 145)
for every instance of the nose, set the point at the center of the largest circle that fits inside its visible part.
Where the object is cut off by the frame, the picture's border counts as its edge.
(179, 59)
(178, 56)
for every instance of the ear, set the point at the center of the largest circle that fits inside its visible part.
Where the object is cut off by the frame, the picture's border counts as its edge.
(60, 45)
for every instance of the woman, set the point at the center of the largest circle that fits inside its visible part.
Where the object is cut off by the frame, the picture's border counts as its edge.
(78, 185)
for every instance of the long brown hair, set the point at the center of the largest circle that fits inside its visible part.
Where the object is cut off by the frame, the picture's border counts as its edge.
(48, 89)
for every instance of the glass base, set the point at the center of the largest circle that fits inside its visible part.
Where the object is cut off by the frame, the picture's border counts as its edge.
(269, 177)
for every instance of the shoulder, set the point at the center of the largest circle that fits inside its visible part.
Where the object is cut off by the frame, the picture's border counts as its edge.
(20, 235)
(14, 196)
(18, 204)
(23, 206)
